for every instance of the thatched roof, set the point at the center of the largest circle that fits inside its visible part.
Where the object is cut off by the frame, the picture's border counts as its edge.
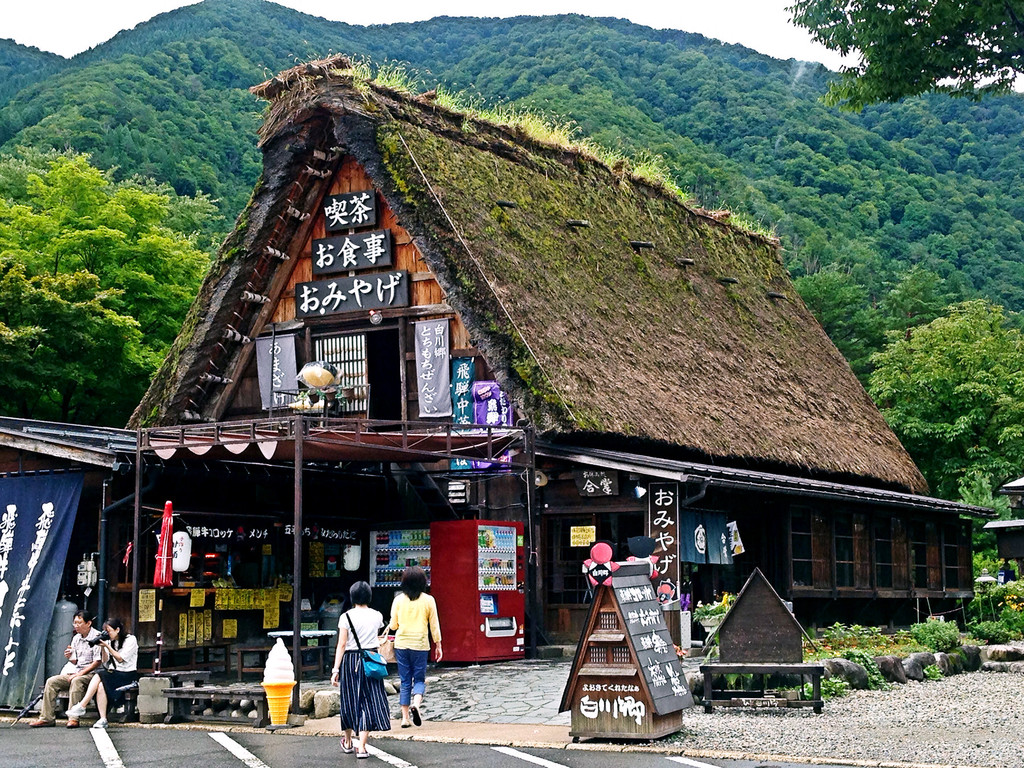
(696, 346)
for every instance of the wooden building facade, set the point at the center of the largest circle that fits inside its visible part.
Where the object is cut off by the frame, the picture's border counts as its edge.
(635, 336)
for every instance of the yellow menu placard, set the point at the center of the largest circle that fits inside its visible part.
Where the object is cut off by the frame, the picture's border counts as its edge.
(197, 598)
(271, 615)
(284, 593)
(147, 605)
(229, 629)
(207, 624)
(182, 629)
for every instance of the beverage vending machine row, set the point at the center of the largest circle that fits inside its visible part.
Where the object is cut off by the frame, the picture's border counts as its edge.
(476, 570)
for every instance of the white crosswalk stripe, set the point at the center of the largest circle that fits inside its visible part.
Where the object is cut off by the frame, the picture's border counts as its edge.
(528, 758)
(237, 750)
(692, 763)
(397, 762)
(106, 748)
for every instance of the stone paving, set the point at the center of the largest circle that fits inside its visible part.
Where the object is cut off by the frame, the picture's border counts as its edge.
(525, 692)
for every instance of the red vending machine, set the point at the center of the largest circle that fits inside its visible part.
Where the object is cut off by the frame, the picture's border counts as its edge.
(478, 570)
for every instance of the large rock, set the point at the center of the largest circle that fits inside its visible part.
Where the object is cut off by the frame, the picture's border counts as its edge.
(306, 700)
(695, 682)
(892, 668)
(956, 661)
(913, 668)
(326, 704)
(1002, 653)
(944, 664)
(854, 674)
(972, 657)
(924, 658)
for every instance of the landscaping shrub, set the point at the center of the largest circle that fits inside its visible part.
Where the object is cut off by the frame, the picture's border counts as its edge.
(831, 688)
(932, 672)
(876, 680)
(937, 635)
(993, 632)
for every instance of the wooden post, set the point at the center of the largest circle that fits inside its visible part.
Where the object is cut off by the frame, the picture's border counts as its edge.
(297, 564)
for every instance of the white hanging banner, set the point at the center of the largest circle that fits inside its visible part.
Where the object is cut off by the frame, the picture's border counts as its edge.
(432, 367)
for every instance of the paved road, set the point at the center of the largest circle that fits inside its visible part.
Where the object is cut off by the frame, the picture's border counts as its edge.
(22, 747)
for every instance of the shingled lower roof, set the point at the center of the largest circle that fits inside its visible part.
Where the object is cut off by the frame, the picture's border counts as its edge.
(657, 324)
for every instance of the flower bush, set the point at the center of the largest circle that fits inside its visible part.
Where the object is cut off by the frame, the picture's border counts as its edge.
(705, 611)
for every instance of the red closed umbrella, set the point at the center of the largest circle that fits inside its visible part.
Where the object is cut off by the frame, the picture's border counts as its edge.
(165, 550)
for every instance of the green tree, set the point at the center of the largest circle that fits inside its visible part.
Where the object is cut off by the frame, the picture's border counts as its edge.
(65, 353)
(95, 286)
(953, 391)
(910, 47)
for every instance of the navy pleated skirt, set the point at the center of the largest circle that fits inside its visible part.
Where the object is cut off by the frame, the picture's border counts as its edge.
(364, 702)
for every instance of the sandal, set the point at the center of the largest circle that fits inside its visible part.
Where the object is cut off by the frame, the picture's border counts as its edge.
(346, 747)
(415, 712)
(362, 754)
(406, 724)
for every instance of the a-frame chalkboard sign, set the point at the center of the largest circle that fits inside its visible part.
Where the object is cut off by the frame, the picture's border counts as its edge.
(626, 681)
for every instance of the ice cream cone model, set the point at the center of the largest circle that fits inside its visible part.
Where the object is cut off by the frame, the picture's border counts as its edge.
(278, 681)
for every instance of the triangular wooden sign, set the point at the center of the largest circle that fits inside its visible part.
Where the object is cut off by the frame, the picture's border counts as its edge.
(626, 680)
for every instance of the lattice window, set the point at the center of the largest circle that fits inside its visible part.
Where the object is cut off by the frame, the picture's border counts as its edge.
(598, 655)
(348, 352)
(620, 655)
(608, 620)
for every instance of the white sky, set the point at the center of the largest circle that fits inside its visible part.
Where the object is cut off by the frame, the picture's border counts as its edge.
(68, 27)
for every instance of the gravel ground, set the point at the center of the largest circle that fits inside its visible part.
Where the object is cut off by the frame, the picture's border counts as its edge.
(974, 719)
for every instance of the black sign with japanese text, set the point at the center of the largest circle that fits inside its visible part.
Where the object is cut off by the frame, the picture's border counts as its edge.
(345, 252)
(596, 482)
(650, 638)
(352, 294)
(663, 527)
(351, 210)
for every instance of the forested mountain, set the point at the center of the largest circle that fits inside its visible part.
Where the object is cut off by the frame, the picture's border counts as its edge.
(21, 66)
(886, 216)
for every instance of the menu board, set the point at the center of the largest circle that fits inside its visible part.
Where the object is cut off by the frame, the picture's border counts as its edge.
(650, 638)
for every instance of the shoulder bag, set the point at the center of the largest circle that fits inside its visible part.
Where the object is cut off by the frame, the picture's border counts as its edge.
(374, 666)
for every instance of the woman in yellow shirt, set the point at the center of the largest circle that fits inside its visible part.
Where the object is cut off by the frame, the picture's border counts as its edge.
(413, 624)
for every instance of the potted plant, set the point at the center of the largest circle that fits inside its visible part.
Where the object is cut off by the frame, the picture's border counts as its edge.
(710, 615)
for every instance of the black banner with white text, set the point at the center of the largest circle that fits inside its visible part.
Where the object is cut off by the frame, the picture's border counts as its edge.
(37, 514)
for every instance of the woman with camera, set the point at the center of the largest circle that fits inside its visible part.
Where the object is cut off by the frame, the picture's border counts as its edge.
(120, 652)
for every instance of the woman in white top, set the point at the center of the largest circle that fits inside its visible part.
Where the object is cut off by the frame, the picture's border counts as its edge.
(120, 652)
(363, 702)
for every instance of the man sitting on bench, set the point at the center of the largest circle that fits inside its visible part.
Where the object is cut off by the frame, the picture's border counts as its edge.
(83, 657)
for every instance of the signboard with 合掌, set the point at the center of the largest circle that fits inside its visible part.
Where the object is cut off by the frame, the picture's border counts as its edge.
(147, 605)
(582, 535)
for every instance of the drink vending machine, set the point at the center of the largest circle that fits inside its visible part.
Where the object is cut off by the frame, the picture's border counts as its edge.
(478, 571)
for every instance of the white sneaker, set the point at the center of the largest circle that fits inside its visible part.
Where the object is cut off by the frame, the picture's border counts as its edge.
(101, 723)
(76, 711)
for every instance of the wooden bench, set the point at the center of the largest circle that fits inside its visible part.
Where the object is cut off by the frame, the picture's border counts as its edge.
(129, 712)
(196, 657)
(316, 655)
(182, 702)
(756, 697)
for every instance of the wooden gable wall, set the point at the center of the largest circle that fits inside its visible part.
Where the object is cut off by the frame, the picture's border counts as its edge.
(427, 301)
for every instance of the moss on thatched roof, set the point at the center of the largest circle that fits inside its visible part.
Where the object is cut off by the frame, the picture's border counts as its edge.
(699, 343)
